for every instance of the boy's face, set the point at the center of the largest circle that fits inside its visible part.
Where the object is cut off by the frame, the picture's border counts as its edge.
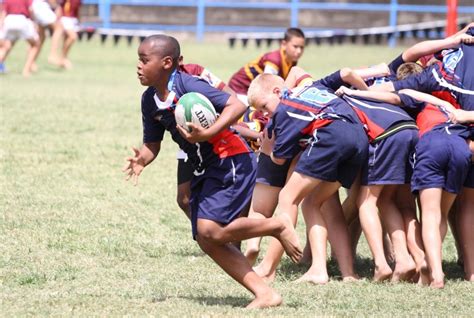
(294, 48)
(151, 66)
(268, 102)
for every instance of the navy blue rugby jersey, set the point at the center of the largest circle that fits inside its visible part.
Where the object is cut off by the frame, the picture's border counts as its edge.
(158, 116)
(378, 117)
(451, 78)
(305, 109)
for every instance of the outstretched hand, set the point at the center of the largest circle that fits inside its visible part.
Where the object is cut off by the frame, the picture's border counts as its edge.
(134, 166)
(196, 133)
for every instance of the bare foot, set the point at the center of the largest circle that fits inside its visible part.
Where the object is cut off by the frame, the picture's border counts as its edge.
(66, 64)
(437, 284)
(317, 279)
(270, 299)
(382, 274)
(251, 255)
(404, 272)
(424, 279)
(351, 279)
(53, 60)
(26, 73)
(34, 68)
(268, 276)
(289, 239)
(437, 281)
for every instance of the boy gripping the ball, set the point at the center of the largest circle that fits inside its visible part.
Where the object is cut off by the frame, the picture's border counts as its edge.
(224, 187)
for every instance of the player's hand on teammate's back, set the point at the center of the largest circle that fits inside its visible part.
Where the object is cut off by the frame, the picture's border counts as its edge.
(344, 91)
(465, 38)
(196, 133)
(267, 143)
(134, 166)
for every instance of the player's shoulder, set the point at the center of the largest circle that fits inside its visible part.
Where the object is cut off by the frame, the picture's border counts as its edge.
(273, 56)
(192, 69)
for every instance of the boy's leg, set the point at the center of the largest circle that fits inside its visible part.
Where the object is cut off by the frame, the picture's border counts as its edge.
(244, 228)
(234, 263)
(453, 225)
(71, 37)
(339, 238)
(316, 232)
(296, 189)
(466, 224)
(369, 219)
(435, 204)
(55, 40)
(264, 202)
(392, 219)
(31, 57)
(407, 206)
(5, 48)
(351, 214)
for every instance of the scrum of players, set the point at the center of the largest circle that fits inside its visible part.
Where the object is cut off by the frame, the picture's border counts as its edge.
(29, 19)
(397, 136)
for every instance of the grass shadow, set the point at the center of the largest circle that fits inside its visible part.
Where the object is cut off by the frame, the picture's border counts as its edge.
(231, 301)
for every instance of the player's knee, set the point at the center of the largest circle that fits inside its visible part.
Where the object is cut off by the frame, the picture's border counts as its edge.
(183, 202)
(211, 233)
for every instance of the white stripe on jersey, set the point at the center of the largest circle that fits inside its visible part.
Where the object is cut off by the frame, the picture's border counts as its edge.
(443, 83)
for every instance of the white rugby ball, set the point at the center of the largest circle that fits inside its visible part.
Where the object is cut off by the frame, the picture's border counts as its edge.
(194, 108)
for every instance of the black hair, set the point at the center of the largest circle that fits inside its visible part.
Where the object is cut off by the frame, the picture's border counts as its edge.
(293, 33)
(165, 45)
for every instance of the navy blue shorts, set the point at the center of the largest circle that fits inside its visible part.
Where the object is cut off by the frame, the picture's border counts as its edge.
(336, 153)
(270, 173)
(469, 183)
(223, 191)
(389, 159)
(442, 161)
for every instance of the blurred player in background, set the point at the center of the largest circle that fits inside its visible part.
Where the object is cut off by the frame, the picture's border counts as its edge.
(68, 26)
(15, 24)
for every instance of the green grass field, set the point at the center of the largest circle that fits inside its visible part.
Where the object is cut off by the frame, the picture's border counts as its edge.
(76, 239)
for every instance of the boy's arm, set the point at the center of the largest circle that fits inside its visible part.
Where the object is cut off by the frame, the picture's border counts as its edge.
(427, 98)
(387, 97)
(232, 111)
(143, 157)
(373, 71)
(352, 78)
(421, 49)
(295, 76)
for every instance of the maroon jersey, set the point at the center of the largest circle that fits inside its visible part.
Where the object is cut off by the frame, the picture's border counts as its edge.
(205, 74)
(274, 62)
(17, 7)
(71, 8)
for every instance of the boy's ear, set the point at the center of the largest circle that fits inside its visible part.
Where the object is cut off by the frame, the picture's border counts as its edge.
(167, 62)
(276, 90)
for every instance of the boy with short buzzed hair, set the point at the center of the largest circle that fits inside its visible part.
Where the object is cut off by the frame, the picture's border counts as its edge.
(226, 165)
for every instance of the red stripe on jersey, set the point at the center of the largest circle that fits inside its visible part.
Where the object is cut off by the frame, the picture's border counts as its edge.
(447, 96)
(373, 130)
(315, 125)
(430, 117)
(226, 144)
(302, 78)
(300, 106)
